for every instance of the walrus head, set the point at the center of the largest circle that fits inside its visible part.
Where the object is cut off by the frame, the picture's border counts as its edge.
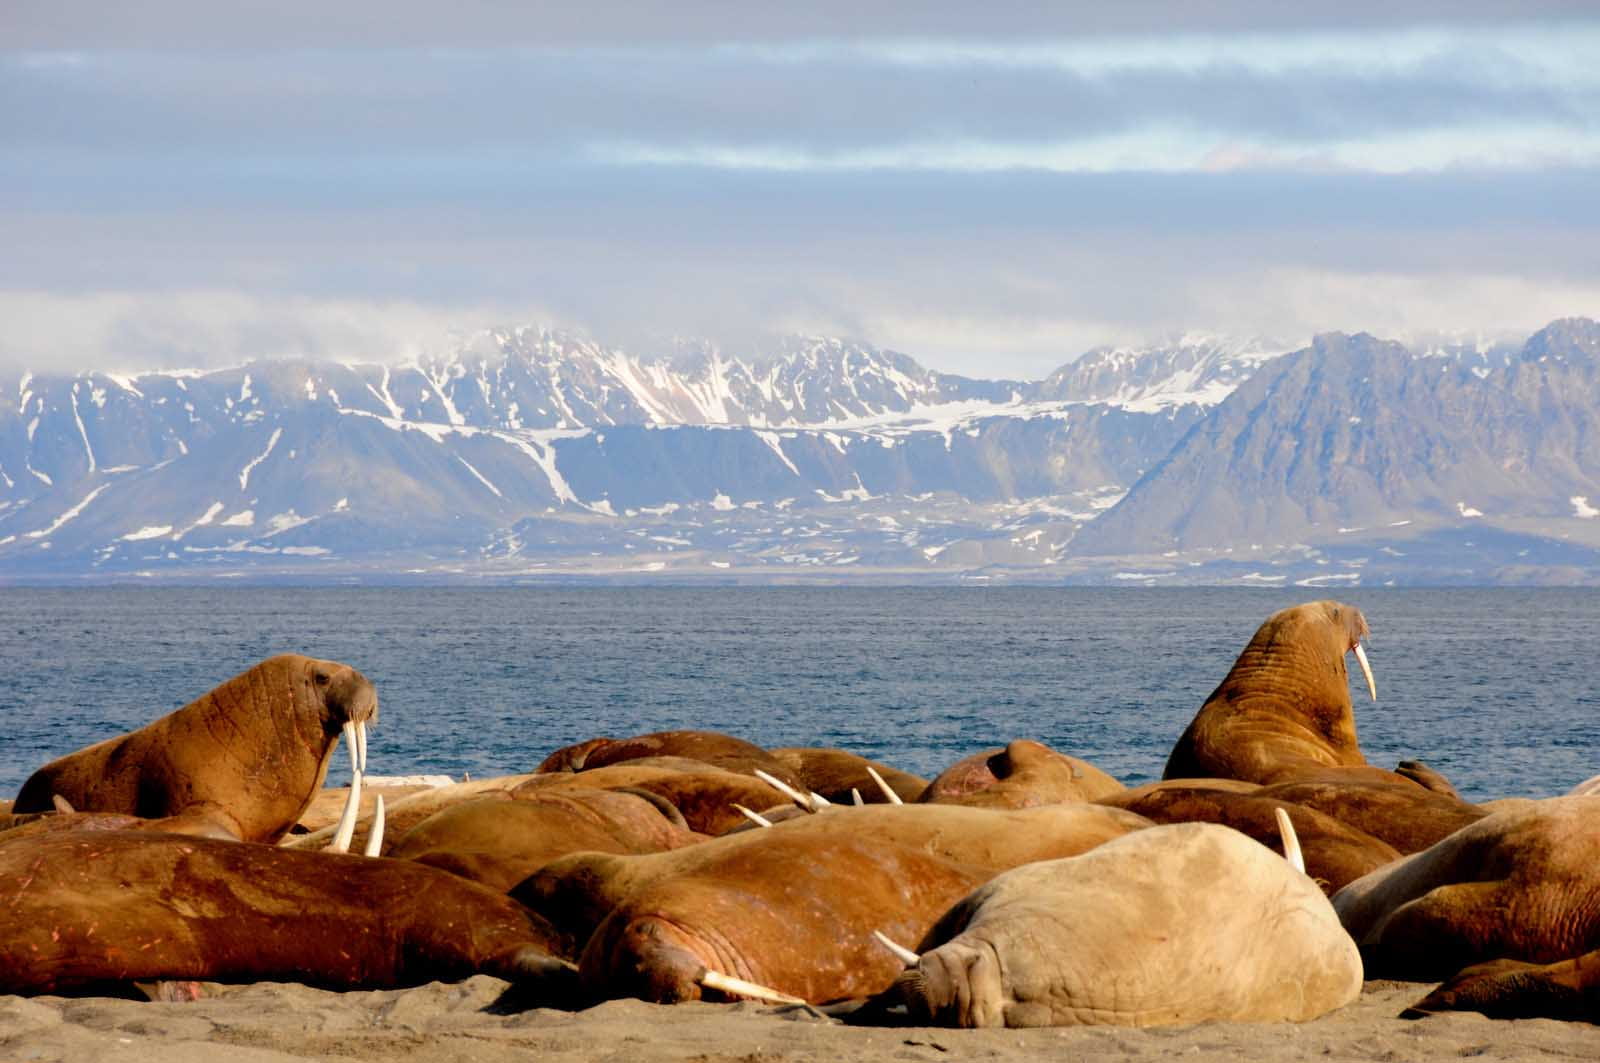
(345, 694)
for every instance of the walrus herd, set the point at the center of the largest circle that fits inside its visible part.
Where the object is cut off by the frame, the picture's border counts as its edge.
(1265, 876)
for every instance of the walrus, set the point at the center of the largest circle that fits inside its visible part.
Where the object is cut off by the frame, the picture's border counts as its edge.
(1335, 853)
(1521, 884)
(834, 773)
(499, 841)
(1177, 924)
(1284, 707)
(1511, 989)
(793, 906)
(709, 747)
(705, 794)
(88, 910)
(248, 756)
(1023, 774)
(328, 806)
(1405, 816)
(408, 811)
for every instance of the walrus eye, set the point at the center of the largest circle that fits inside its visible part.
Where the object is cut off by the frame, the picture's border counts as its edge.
(321, 679)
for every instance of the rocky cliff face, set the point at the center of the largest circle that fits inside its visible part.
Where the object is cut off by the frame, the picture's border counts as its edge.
(1354, 433)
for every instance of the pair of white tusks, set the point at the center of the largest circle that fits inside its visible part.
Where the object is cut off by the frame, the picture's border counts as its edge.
(1291, 853)
(810, 802)
(1366, 670)
(355, 740)
(355, 737)
(813, 801)
(729, 984)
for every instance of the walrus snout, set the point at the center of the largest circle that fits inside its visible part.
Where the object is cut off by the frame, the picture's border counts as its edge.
(348, 695)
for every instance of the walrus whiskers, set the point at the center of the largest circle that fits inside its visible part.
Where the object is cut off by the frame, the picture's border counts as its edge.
(1366, 670)
(347, 820)
(754, 817)
(375, 835)
(894, 798)
(728, 984)
(786, 790)
(905, 955)
(1291, 841)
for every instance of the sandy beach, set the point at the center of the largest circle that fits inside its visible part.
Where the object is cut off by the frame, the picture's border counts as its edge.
(276, 1023)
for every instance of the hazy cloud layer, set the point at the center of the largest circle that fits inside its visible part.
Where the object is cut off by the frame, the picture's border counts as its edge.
(992, 191)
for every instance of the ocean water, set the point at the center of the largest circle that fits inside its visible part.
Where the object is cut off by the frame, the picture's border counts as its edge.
(1498, 689)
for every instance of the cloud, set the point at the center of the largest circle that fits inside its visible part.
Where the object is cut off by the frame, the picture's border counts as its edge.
(482, 23)
(209, 329)
(991, 188)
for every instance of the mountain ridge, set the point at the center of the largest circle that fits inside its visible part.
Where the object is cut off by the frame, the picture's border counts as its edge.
(492, 456)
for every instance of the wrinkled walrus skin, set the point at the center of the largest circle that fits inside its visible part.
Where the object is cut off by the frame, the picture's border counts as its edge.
(500, 842)
(1334, 852)
(82, 910)
(248, 756)
(1179, 924)
(1284, 707)
(1522, 884)
(807, 890)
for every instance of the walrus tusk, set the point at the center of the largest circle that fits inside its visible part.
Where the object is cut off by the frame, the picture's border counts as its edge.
(818, 802)
(905, 955)
(350, 745)
(61, 805)
(361, 746)
(855, 797)
(1291, 841)
(786, 790)
(754, 817)
(894, 798)
(375, 836)
(728, 984)
(1366, 670)
(347, 820)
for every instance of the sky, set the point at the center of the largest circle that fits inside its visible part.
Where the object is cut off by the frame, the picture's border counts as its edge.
(991, 188)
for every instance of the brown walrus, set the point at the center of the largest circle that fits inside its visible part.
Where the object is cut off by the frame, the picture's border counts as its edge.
(1405, 816)
(1511, 989)
(499, 841)
(1284, 707)
(1521, 884)
(408, 811)
(703, 793)
(1177, 924)
(86, 910)
(793, 907)
(1335, 853)
(709, 747)
(833, 773)
(247, 757)
(1023, 774)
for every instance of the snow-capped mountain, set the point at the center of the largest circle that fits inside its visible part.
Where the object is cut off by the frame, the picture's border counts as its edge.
(1359, 440)
(1190, 369)
(531, 451)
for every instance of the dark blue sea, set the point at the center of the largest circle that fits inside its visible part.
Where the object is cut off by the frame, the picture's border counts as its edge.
(1498, 689)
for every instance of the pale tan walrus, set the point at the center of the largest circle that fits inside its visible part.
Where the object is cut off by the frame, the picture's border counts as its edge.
(1192, 922)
